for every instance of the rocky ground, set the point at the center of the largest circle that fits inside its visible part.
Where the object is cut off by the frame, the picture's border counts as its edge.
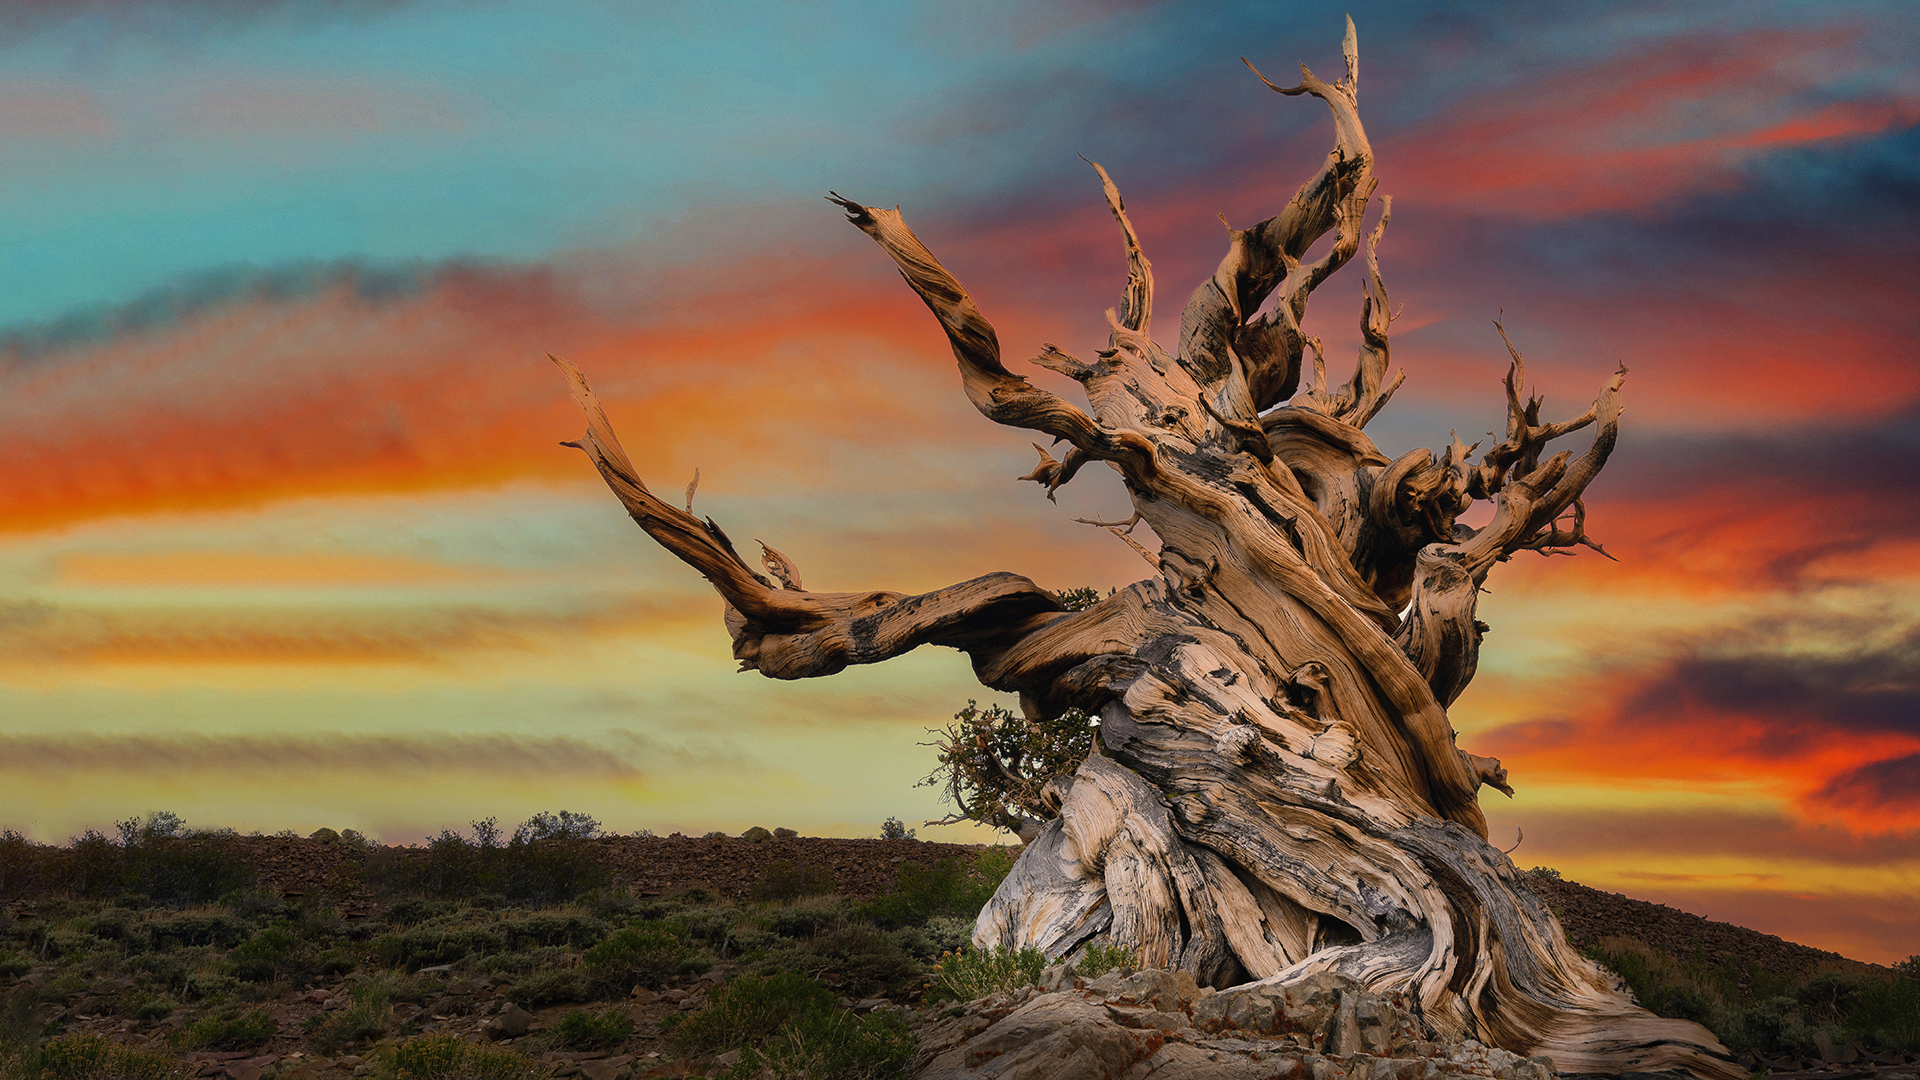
(1149, 1024)
(729, 867)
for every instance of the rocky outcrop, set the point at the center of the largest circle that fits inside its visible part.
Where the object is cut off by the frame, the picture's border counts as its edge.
(1156, 1023)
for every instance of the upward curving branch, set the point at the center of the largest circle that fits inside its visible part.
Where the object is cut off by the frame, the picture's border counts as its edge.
(1000, 395)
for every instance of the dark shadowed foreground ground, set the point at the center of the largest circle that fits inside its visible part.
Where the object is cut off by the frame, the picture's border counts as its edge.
(325, 958)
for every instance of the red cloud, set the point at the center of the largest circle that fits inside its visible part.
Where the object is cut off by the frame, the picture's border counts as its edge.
(337, 391)
(1632, 132)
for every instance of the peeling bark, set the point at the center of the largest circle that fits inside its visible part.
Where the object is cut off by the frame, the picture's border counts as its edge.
(1277, 791)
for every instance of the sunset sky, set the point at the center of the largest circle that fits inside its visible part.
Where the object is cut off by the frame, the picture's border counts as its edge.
(287, 538)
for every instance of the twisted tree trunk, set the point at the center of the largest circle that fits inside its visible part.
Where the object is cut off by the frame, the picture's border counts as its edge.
(1277, 791)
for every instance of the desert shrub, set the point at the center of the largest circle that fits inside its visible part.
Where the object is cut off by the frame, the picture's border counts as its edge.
(946, 933)
(1751, 1010)
(21, 864)
(806, 918)
(431, 946)
(448, 1057)
(552, 859)
(555, 986)
(609, 902)
(862, 959)
(749, 1009)
(895, 829)
(521, 961)
(109, 924)
(197, 928)
(208, 985)
(783, 880)
(273, 953)
(414, 910)
(1096, 960)
(160, 967)
(90, 1057)
(643, 956)
(834, 1045)
(227, 1029)
(152, 1007)
(976, 973)
(92, 865)
(168, 863)
(1878, 1010)
(367, 1015)
(950, 887)
(583, 1030)
(577, 929)
(334, 962)
(14, 964)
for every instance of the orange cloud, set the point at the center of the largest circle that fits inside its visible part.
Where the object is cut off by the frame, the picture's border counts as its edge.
(338, 392)
(1816, 711)
(40, 633)
(243, 569)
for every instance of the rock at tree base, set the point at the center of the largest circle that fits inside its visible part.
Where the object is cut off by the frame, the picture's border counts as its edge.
(510, 1023)
(1160, 1023)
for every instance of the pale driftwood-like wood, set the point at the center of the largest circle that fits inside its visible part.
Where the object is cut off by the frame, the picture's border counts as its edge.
(1277, 791)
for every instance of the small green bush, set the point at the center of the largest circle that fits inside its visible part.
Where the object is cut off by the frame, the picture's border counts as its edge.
(227, 1030)
(190, 929)
(950, 887)
(573, 928)
(643, 956)
(152, 1007)
(561, 986)
(834, 1045)
(806, 918)
(271, 954)
(448, 1057)
(431, 946)
(1097, 960)
(90, 1057)
(334, 962)
(862, 959)
(1751, 1010)
(976, 973)
(583, 1030)
(14, 965)
(748, 1010)
(368, 1015)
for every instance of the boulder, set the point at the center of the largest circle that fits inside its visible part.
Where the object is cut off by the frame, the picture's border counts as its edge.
(1130, 1025)
(510, 1022)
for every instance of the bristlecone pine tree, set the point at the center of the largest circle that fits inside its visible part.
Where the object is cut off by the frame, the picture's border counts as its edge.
(1277, 791)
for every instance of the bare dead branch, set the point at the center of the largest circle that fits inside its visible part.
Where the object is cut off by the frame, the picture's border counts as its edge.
(1000, 395)
(1136, 303)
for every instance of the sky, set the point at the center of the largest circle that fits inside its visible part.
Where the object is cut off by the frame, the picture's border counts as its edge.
(287, 539)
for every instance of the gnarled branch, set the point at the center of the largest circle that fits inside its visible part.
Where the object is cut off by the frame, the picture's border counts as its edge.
(1000, 395)
(788, 633)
